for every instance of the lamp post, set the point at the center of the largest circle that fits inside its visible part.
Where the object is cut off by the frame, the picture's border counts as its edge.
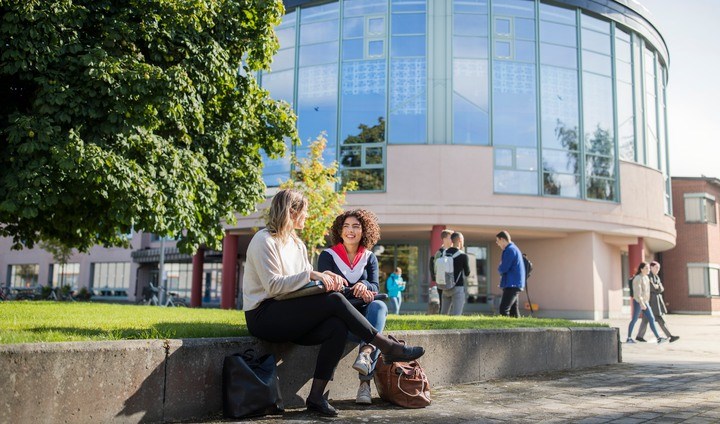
(161, 276)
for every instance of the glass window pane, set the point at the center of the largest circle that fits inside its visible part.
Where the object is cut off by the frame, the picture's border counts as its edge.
(517, 182)
(502, 27)
(599, 166)
(317, 107)
(595, 41)
(408, 23)
(514, 102)
(376, 48)
(350, 156)
(408, 46)
(562, 185)
(284, 59)
(472, 25)
(408, 5)
(321, 12)
(363, 101)
(353, 49)
(524, 29)
(560, 34)
(367, 179)
(693, 209)
(600, 189)
(525, 51)
(503, 50)
(523, 8)
(564, 162)
(696, 282)
(503, 158)
(714, 282)
(319, 32)
(557, 14)
(317, 54)
(470, 47)
(364, 7)
(376, 26)
(286, 37)
(526, 159)
(353, 27)
(551, 54)
(280, 85)
(559, 106)
(470, 122)
(470, 6)
(374, 156)
(598, 63)
(598, 114)
(626, 122)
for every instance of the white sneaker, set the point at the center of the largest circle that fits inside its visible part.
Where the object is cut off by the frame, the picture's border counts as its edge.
(363, 395)
(363, 363)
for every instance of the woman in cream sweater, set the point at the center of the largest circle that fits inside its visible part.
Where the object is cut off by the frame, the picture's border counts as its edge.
(277, 263)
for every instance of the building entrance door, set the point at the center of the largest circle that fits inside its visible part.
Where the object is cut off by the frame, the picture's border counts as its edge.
(407, 257)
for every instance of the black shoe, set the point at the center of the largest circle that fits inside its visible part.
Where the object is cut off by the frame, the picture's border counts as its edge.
(322, 408)
(408, 354)
(674, 338)
(640, 339)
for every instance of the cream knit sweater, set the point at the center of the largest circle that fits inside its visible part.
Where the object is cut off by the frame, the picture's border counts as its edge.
(273, 268)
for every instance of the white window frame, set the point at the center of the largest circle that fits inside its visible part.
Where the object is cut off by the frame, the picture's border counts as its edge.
(703, 200)
(710, 276)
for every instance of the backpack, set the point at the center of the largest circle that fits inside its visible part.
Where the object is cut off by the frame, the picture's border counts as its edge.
(445, 270)
(528, 266)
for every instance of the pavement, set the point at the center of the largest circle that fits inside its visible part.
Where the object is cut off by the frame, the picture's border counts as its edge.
(655, 383)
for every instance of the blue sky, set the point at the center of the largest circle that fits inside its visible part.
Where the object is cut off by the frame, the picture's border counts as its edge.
(691, 30)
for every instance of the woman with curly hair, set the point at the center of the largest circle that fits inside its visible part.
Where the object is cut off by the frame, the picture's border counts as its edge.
(277, 263)
(353, 234)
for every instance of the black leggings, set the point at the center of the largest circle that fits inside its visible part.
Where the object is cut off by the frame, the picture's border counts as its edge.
(323, 319)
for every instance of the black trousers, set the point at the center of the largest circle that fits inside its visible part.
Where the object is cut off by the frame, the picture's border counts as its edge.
(324, 319)
(509, 302)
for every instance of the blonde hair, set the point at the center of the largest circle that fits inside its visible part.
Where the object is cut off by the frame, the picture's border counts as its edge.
(284, 205)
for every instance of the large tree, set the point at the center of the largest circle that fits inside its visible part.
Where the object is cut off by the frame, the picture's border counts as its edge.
(134, 114)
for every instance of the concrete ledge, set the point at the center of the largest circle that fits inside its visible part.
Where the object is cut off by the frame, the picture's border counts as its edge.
(173, 380)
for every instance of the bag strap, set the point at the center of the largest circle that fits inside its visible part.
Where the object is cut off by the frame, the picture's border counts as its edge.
(425, 382)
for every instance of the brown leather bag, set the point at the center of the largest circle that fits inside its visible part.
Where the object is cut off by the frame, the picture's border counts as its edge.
(402, 383)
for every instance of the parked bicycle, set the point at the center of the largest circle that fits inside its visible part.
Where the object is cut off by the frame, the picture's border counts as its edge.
(151, 297)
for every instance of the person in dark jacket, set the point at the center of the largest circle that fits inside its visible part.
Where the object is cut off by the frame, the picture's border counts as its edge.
(454, 298)
(354, 233)
(657, 304)
(512, 275)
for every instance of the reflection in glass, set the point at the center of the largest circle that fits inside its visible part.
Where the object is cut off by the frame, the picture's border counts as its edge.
(518, 182)
(408, 99)
(366, 179)
(408, 23)
(374, 155)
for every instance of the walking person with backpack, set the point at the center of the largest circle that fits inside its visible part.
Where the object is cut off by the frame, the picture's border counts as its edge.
(641, 302)
(451, 270)
(446, 244)
(512, 275)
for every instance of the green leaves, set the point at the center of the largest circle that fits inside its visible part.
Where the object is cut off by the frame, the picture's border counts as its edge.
(133, 114)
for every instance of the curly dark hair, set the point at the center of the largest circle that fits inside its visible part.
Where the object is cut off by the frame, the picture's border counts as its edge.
(368, 221)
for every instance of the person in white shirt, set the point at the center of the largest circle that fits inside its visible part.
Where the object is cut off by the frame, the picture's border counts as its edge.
(277, 263)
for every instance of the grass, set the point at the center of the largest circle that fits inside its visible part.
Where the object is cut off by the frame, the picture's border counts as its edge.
(45, 321)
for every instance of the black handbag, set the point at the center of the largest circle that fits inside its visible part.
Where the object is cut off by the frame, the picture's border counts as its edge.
(250, 385)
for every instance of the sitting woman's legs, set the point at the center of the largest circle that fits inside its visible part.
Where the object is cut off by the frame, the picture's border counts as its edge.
(376, 313)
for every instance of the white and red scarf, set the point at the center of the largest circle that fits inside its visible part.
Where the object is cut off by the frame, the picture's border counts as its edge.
(351, 271)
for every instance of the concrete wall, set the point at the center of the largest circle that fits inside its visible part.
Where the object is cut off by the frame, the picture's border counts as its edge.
(173, 380)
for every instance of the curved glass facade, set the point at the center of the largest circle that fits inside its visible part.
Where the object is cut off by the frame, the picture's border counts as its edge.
(560, 93)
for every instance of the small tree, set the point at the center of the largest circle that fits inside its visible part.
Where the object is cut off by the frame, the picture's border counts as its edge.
(61, 254)
(318, 182)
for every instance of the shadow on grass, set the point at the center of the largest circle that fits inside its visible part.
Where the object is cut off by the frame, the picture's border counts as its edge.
(164, 330)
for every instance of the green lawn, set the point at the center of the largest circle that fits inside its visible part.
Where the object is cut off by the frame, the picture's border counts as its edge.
(46, 321)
